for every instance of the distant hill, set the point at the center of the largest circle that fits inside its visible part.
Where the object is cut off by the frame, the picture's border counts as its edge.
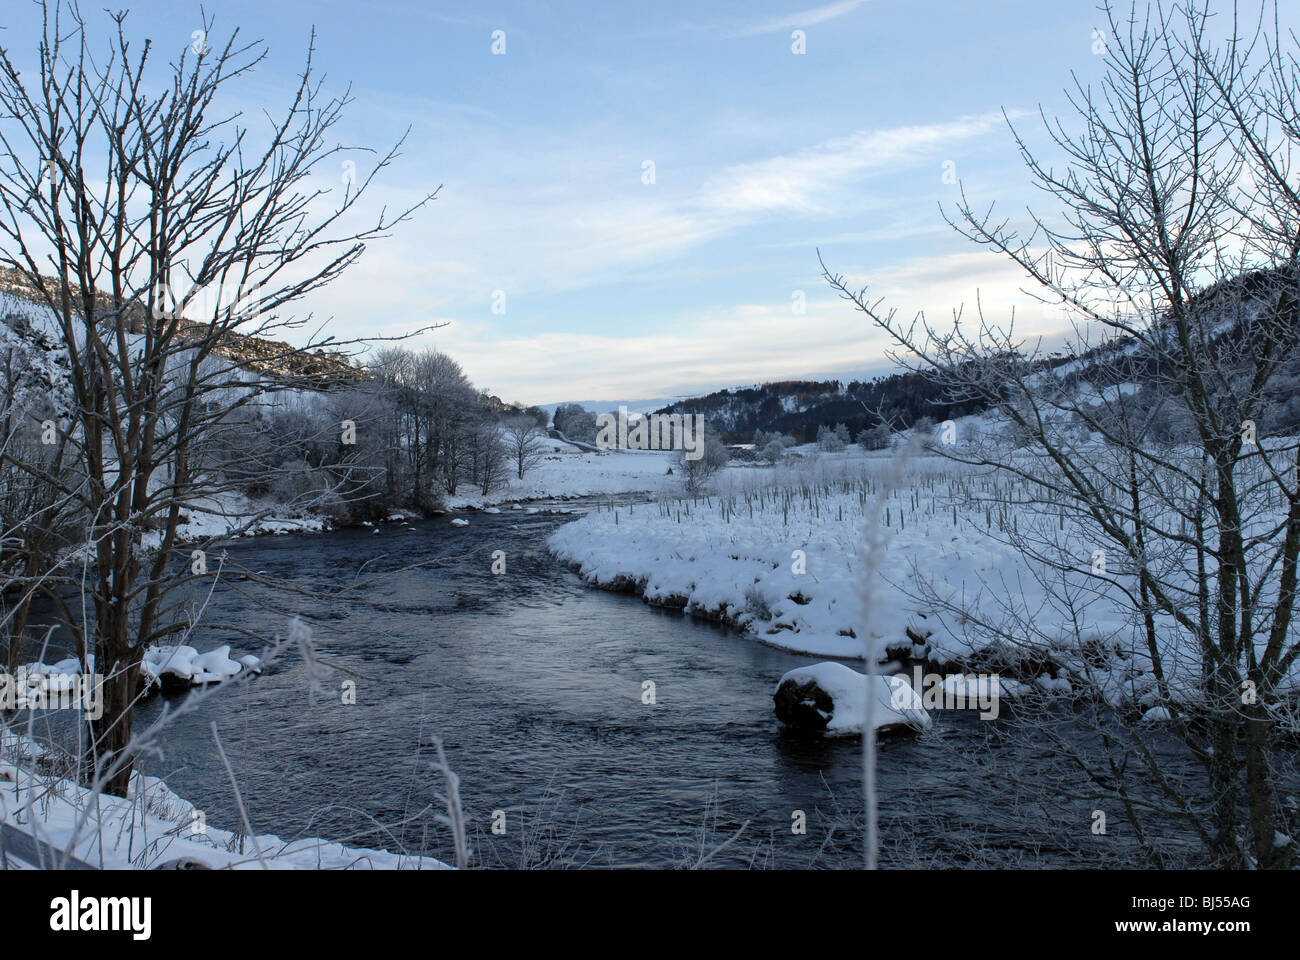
(611, 406)
(799, 407)
(256, 353)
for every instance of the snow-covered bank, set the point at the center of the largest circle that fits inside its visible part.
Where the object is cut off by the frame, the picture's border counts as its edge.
(232, 515)
(564, 472)
(779, 554)
(786, 566)
(153, 826)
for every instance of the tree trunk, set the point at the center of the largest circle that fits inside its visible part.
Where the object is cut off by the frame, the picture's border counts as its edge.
(112, 731)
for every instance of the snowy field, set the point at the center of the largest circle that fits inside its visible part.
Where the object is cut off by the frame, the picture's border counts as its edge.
(778, 553)
(566, 472)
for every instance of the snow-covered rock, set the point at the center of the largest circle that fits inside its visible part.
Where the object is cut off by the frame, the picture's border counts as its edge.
(459, 522)
(1053, 685)
(215, 666)
(832, 698)
(68, 665)
(172, 665)
(163, 666)
(181, 666)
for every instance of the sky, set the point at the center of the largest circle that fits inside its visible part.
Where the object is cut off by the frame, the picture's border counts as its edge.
(631, 196)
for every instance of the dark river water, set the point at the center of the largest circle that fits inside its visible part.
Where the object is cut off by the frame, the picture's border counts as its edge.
(534, 682)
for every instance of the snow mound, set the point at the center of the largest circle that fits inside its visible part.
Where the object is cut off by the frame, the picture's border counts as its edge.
(833, 698)
(215, 666)
(180, 666)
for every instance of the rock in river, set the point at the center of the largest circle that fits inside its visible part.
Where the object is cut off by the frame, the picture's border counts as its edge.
(831, 698)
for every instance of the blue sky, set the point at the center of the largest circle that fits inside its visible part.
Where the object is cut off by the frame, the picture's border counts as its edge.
(619, 288)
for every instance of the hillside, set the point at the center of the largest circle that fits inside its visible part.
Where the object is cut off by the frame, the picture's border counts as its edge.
(255, 353)
(799, 407)
(1246, 310)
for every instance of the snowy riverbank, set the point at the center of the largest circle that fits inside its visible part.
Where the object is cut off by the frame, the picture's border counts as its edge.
(565, 472)
(782, 563)
(778, 553)
(152, 826)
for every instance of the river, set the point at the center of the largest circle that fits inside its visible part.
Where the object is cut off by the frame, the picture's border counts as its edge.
(534, 683)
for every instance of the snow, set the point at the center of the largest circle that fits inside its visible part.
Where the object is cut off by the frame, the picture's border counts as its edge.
(153, 826)
(231, 515)
(458, 522)
(564, 472)
(184, 665)
(69, 665)
(39, 686)
(1090, 395)
(215, 666)
(777, 553)
(180, 664)
(896, 704)
(1053, 684)
(791, 578)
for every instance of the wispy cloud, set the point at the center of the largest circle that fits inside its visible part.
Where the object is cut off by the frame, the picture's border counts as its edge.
(805, 18)
(559, 235)
(806, 181)
(741, 344)
(747, 342)
(560, 238)
(978, 283)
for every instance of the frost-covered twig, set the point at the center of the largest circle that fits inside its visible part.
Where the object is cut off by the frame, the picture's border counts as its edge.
(876, 550)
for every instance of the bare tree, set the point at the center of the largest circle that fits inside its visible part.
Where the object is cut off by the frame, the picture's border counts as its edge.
(1144, 480)
(446, 401)
(698, 471)
(490, 457)
(523, 439)
(181, 249)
